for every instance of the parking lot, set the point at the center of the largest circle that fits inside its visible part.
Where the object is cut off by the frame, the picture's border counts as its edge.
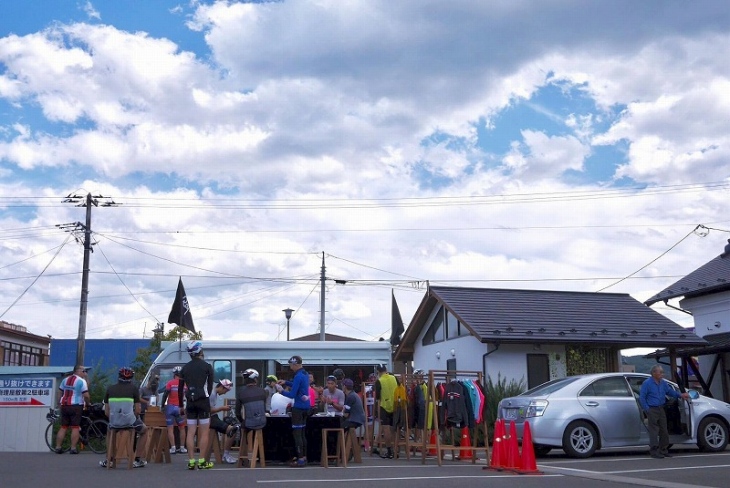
(618, 468)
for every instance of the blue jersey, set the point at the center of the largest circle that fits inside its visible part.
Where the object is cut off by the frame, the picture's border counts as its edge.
(299, 390)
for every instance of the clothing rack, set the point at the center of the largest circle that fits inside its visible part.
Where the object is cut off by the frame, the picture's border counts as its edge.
(434, 378)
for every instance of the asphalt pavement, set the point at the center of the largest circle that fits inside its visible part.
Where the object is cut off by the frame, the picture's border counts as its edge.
(687, 468)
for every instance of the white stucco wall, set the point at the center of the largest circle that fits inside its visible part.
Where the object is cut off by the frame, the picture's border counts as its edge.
(509, 361)
(22, 429)
(711, 314)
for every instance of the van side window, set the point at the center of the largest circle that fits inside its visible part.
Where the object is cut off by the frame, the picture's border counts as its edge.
(222, 370)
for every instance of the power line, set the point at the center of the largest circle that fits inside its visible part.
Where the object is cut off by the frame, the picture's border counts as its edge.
(37, 277)
(653, 260)
(404, 202)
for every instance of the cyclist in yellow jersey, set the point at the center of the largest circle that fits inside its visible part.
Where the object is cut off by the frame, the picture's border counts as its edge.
(384, 392)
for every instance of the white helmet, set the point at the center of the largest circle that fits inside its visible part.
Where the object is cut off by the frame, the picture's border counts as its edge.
(195, 348)
(250, 373)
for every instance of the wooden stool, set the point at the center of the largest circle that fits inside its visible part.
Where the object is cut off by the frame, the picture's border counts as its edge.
(340, 457)
(214, 446)
(158, 447)
(257, 451)
(352, 445)
(120, 445)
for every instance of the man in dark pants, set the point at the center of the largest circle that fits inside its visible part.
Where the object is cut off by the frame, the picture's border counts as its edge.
(299, 392)
(652, 397)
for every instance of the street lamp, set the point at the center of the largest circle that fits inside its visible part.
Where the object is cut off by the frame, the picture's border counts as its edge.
(287, 312)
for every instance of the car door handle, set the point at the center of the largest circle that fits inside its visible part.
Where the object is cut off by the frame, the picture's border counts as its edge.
(592, 404)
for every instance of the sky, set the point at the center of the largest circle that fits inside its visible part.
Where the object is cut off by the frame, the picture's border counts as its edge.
(556, 145)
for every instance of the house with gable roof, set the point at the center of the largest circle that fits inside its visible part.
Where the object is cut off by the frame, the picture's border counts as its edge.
(705, 294)
(532, 335)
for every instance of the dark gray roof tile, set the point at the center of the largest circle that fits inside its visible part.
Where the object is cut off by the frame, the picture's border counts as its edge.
(561, 317)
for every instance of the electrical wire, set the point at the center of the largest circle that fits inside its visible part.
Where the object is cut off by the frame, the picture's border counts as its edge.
(98, 246)
(37, 277)
(653, 260)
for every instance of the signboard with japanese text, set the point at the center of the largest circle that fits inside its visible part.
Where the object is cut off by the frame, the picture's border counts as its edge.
(30, 392)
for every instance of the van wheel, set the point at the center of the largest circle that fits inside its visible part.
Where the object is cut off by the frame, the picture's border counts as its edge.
(712, 435)
(580, 440)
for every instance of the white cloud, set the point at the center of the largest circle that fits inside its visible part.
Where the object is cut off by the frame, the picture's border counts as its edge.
(306, 106)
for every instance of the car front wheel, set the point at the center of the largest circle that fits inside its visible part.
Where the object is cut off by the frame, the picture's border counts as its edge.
(580, 440)
(712, 436)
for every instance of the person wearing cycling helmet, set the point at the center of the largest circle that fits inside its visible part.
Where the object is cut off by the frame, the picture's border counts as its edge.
(197, 376)
(251, 402)
(229, 430)
(74, 398)
(173, 411)
(299, 392)
(122, 406)
(272, 386)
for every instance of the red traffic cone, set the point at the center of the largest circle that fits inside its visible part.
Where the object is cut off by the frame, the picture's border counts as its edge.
(529, 464)
(432, 442)
(497, 460)
(513, 451)
(465, 454)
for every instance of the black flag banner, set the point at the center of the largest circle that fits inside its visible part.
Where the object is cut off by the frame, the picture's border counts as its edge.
(180, 313)
(396, 323)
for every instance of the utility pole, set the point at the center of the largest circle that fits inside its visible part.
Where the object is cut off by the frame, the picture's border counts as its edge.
(85, 201)
(321, 302)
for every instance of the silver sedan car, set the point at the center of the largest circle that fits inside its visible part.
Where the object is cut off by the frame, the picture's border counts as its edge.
(581, 414)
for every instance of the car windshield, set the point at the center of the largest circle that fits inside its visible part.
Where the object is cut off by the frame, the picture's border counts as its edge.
(550, 387)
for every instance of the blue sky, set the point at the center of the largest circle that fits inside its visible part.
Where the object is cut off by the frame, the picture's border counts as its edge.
(555, 145)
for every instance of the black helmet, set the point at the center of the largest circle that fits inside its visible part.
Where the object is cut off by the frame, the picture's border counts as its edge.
(126, 374)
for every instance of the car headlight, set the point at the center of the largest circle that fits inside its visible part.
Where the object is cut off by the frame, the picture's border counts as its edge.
(536, 408)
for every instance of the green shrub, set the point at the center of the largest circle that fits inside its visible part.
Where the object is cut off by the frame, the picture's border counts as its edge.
(496, 391)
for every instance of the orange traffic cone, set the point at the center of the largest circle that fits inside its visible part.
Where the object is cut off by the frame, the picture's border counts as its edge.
(497, 460)
(513, 451)
(465, 454)
(432, 442)
(529, 464)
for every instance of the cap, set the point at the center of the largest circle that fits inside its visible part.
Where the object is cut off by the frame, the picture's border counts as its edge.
(381, 367)
(227, 384)
(347, 383)
(295, 360)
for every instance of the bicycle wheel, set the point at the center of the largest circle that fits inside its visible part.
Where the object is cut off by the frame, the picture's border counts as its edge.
(96, 436)
(51, 432)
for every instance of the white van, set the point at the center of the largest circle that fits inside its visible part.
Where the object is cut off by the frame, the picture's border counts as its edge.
(230, 358)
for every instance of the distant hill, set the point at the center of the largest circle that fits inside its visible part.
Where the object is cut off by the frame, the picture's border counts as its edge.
(642, 364)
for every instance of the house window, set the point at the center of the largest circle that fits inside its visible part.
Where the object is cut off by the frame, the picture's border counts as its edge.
(463, 331)
(435, 332)
(18, 355)
(452, 326)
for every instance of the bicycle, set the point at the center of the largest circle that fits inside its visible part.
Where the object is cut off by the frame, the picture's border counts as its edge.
(92, 431)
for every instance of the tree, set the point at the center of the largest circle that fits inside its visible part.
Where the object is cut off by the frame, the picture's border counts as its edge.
(145, 355)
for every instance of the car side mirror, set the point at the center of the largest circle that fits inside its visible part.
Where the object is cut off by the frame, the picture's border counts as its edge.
(693, 394)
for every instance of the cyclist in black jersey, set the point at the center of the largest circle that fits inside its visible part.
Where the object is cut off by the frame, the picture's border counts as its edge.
(196, 384)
